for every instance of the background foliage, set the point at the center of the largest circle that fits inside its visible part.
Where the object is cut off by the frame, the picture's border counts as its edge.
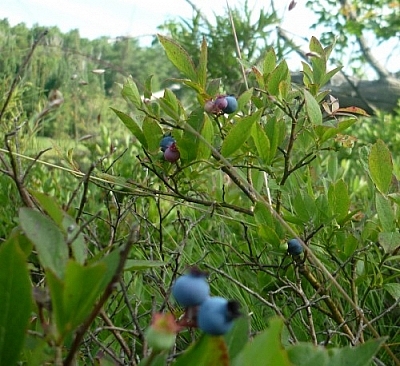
(95, 230)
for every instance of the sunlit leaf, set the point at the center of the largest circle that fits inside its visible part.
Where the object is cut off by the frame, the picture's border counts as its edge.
(131, 93)
(380, 166)
(269, 63)
(313, 109)
(132, 126)
(279, 74)
(179, 57)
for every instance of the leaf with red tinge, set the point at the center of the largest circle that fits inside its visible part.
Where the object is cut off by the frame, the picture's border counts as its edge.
(352, 110)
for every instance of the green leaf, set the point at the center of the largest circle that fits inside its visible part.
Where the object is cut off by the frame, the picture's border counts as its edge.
(380, 166)
(171, 105)
(276, 131)
(207, 351)
(244, 98)
(263, 215)
(179, 57)
(239, 133)
(330, 74)
(306, 354)
(261, 141)
(130, 92)
(213, 87)
(269, 63)
(389, 241)
(148, 87)
(47, 238)
(339, 200)
(308, 78)
(78, 245)
(207, 131)
(318, 61)
(385, 213)
(153, 134)
(50, 205)
(202, 67)
(355, 356)
(393, 289)
(237, 337)
(281, 73)
(304, 206)
(312, 108)
(74, 298)
(265, 349)
(132, 126)
(190, 142)
(15, 301)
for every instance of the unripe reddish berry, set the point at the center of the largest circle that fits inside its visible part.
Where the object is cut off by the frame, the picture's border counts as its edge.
(172, 153)
(221, 103)
(209, 106)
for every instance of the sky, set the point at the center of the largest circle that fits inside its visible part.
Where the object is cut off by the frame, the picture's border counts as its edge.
(140, 18)
(137, 18)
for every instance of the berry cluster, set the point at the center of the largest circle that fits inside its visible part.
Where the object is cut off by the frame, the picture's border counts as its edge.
(222, 104)
(212, 314)
(169, 148)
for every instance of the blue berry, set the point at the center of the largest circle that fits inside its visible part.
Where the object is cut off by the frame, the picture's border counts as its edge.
(216, 315)
(232, 104)
(166, 142)
(191, 289)
(294, 247)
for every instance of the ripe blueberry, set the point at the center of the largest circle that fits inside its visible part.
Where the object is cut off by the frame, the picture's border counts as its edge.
(232, 104)
(166, 141)
(191, 289)
(172, 153)
(294, 247)
(216, 315)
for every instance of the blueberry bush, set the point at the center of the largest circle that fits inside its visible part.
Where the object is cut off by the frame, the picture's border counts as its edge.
(260, 190)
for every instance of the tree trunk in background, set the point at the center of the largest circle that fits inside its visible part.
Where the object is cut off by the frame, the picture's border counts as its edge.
(368, 95)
